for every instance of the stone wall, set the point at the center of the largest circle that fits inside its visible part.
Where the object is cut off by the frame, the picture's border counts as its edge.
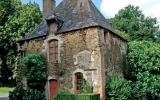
(33, 46)
(95, 52)
(80, 52)
(115, 54)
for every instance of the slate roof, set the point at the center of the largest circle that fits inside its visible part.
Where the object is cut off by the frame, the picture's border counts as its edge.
(73, 15)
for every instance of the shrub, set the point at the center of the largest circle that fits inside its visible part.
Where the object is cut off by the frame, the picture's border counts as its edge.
(84, 96)
(85, 87)
(67, 96)
(33, 94)
(87, 96)
(17, 94)
(144, 61)
(36, 71)
(117, 88)
(35, 65)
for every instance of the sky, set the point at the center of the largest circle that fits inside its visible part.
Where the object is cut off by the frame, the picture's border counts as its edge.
(111, 7)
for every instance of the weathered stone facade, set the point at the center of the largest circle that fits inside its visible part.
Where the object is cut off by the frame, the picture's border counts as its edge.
(86, 44)
(95, 52)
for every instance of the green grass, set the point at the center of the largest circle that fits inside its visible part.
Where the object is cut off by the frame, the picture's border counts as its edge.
(5, 90)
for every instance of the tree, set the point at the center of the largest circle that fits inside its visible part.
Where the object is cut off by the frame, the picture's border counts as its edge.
(132, 21)
(6, 9)
(144, 62)
(17, 20)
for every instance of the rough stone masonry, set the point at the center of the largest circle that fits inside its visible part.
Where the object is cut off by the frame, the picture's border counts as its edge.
(85, 43)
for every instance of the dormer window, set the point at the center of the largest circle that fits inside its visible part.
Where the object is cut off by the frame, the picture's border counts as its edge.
(53, 51)
(52, 27)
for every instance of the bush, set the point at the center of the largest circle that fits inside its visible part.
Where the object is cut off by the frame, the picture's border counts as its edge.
(144, 61)
(36, 71)
(69, 96)
(85, 87)
(35, 65)
(36, 75)
(17, 94)
(33, 94)
(88, 97)
(117, 88)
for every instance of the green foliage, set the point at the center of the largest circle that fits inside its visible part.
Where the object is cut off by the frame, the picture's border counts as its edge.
(144, 61)
(5, 90)
(85, 96)
(144, 56)
(88, 97)
(29, 94)
(6, 9)
(157, 36)
(17, 20)
(17, 94)
(33, 94)
(132, 21)
(67, 96)
(85, 87)
(36, 74)
(35, 66)
(117, 88)
(123, 34)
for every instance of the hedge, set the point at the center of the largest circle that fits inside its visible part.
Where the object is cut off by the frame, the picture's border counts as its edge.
(69, 96)
(88, 96)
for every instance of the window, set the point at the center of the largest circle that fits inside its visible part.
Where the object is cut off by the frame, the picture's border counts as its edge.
(53, 51)
(79, 77)
(105, 36)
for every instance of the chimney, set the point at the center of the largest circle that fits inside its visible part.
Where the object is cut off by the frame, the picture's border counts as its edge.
(48, 6)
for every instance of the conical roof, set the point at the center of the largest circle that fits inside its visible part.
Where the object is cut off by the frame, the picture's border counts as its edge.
(74, 15)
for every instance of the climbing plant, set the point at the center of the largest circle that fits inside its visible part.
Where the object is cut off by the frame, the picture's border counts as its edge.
(35, 71)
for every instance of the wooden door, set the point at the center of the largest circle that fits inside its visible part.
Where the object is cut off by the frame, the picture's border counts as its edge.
(53, 88)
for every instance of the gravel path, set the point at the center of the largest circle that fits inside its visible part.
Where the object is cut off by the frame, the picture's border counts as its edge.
(4, 97)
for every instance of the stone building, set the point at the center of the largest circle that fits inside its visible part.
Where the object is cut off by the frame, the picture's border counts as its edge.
(78, 43)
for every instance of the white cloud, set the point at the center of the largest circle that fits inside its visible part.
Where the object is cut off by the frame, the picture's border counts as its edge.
(149, 7)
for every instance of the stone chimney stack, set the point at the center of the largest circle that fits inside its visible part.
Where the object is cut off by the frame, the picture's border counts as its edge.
(48, 6)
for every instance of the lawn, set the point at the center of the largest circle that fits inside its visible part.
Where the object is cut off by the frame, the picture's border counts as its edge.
(5, 90)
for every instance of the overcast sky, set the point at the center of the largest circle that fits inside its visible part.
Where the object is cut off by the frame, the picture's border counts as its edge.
(110, 7)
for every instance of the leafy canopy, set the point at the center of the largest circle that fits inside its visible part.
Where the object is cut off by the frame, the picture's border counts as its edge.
(17, 20)
(132, 21)
(144, 61)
